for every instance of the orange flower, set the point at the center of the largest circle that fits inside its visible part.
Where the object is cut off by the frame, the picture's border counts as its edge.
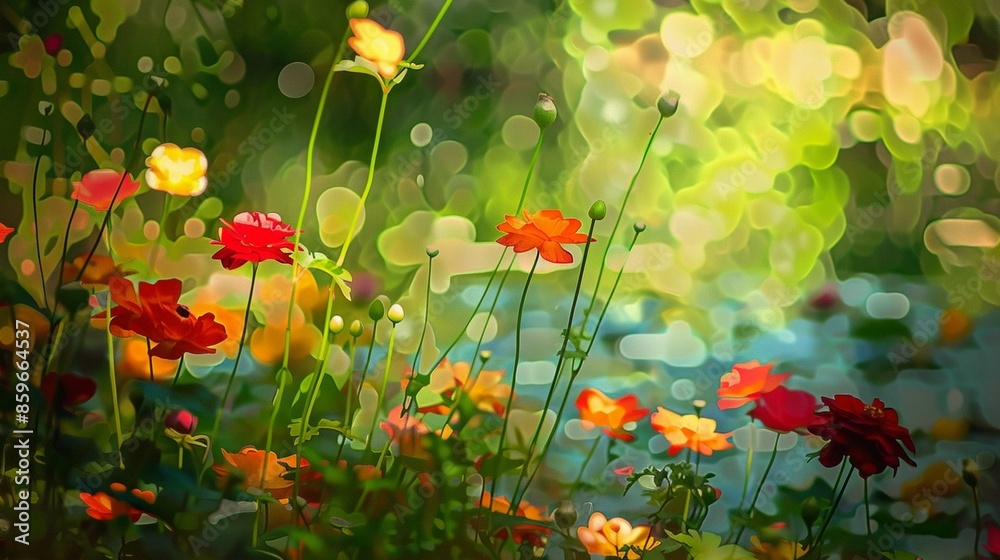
(177, 170)
(99, 270)
(607, 537)
(610, 414)
(250, 461)
(782, 550)
(532, 533)
(99, 186)
(103, 507)
(4, 232)
(487, 391)
(378, 45)
(747, 382)
(689, 431)
(546, 231)
(135, 361)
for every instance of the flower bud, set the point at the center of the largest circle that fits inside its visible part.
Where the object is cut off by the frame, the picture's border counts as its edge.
(396, 313)
(810, 511)
(598, 210)
(545, 111)
(166, 105)
(356, 329)
(667, 103)
(565, 515)
(357, 9)
(336, 324)
(639, 227)
(376, 310)
(432, 252)
(86, 127)
(485, 355)
(970, 472)
(181, 421)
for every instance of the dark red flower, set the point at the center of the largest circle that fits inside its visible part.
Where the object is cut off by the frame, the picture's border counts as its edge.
(254, 237)
(66, 390)
(868, 435)
(181, 421)
(156, 314)
(53, 43)
(786, 410)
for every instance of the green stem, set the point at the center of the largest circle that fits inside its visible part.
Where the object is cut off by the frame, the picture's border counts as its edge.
(177, 374)
(531, 169)
(621, 213)
(760, 485)
(34, 210)
(348, 413)
(381, 393)
(236, 362)
(979, 523)
(430, 31)
(158, 242)
(62, 259)
(278, 396)
(510, 399)
(868, 513)
(149, 357)
(749, 467)
(114, 378)
(833, 510)
(586, 461)
(559, 363)
(423, 329)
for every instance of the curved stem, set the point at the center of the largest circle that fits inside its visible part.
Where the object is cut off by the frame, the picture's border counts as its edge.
(414, 369)
(114, 378)
(430, 31)
(381, 393)
(833, 510)
(159, 234)
(583, 467)
(62, 259)
(979, 523)
(149, 357)
(34, 210)
(760, 485)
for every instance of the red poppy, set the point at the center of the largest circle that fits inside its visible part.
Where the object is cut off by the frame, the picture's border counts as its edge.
(546, 231)
(786, 410)
(4, 232)
(64, 391)
(156, 314)
(254, 237)
(868, 435)
(747, 382)
(610, 414)
(98, 187)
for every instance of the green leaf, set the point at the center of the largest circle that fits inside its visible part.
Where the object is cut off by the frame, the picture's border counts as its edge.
(339, 274)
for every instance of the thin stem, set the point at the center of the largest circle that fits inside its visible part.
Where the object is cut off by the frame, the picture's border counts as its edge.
(149, 356)
(760, 485)
(381, 393)
(510, 399)
(749, 467)
(159, 234)
(979, 522)
(178, 371)
(430, 31)
(621, 213)
(62, 259)
(423, 329)
(114, 378)
(586, 461)
(833, 510)
(34, 210)
(868, 513)
(531, 169)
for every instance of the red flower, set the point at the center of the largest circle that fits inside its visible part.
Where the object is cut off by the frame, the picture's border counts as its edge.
(4, 232)
(156, 314)
(98, 187)
(865, 434)
(254, 237)
(64, 391)
(181, 421)
(103, 507)
(786, 410)
(610, 414)
(546, 231)
(747, 382)
(993, 540)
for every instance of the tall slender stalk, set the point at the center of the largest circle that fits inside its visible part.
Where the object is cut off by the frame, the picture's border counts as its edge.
(760, 485)
(34, 211)
(818, 542)
(381, 393)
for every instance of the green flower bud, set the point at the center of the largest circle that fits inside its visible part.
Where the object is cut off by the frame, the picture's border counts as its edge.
(810, 511)
(376, 310)
(639, 227)
(565, 515)
(336, 324)
(485, 355)
(970, 472)
(432, 252)
(166, 105)
(598, 210)
(545, 111)
(86, 127)
(667, 103)
(396, 313)
(356, 329)
(358, 9)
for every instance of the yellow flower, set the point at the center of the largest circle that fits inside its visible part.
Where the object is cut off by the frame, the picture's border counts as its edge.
(782, 550)
(177, 170)
(608, 536)
(374, 43)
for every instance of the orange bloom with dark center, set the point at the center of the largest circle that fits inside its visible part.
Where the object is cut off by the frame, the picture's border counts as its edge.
(99, 186)
(610, 414)
(608, 536)
(532, 533)
(382, 47)
(747, 382)
(254, 237)
(689, 432)
(103, 507)
(156, 314)
(250, 462)
(868, 435)
(546, 230)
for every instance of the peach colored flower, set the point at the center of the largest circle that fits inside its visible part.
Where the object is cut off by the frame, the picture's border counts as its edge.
(608, 536)
(99, 186)
(610, 414)
(250, 461)
(689, 431)
(374, 43)
(176, 170)
(487, 390)
(747, 382)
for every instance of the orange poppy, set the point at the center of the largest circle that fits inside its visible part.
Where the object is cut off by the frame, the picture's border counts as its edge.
(747, 382)
(378, 45)
(545, 230)
(103, 507)
(608, 536)
(250, 461)
(610, 414)
(689, 431)
(529, 532)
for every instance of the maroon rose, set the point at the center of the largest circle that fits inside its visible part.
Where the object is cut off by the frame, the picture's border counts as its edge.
(786, 410)
(868, 435)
